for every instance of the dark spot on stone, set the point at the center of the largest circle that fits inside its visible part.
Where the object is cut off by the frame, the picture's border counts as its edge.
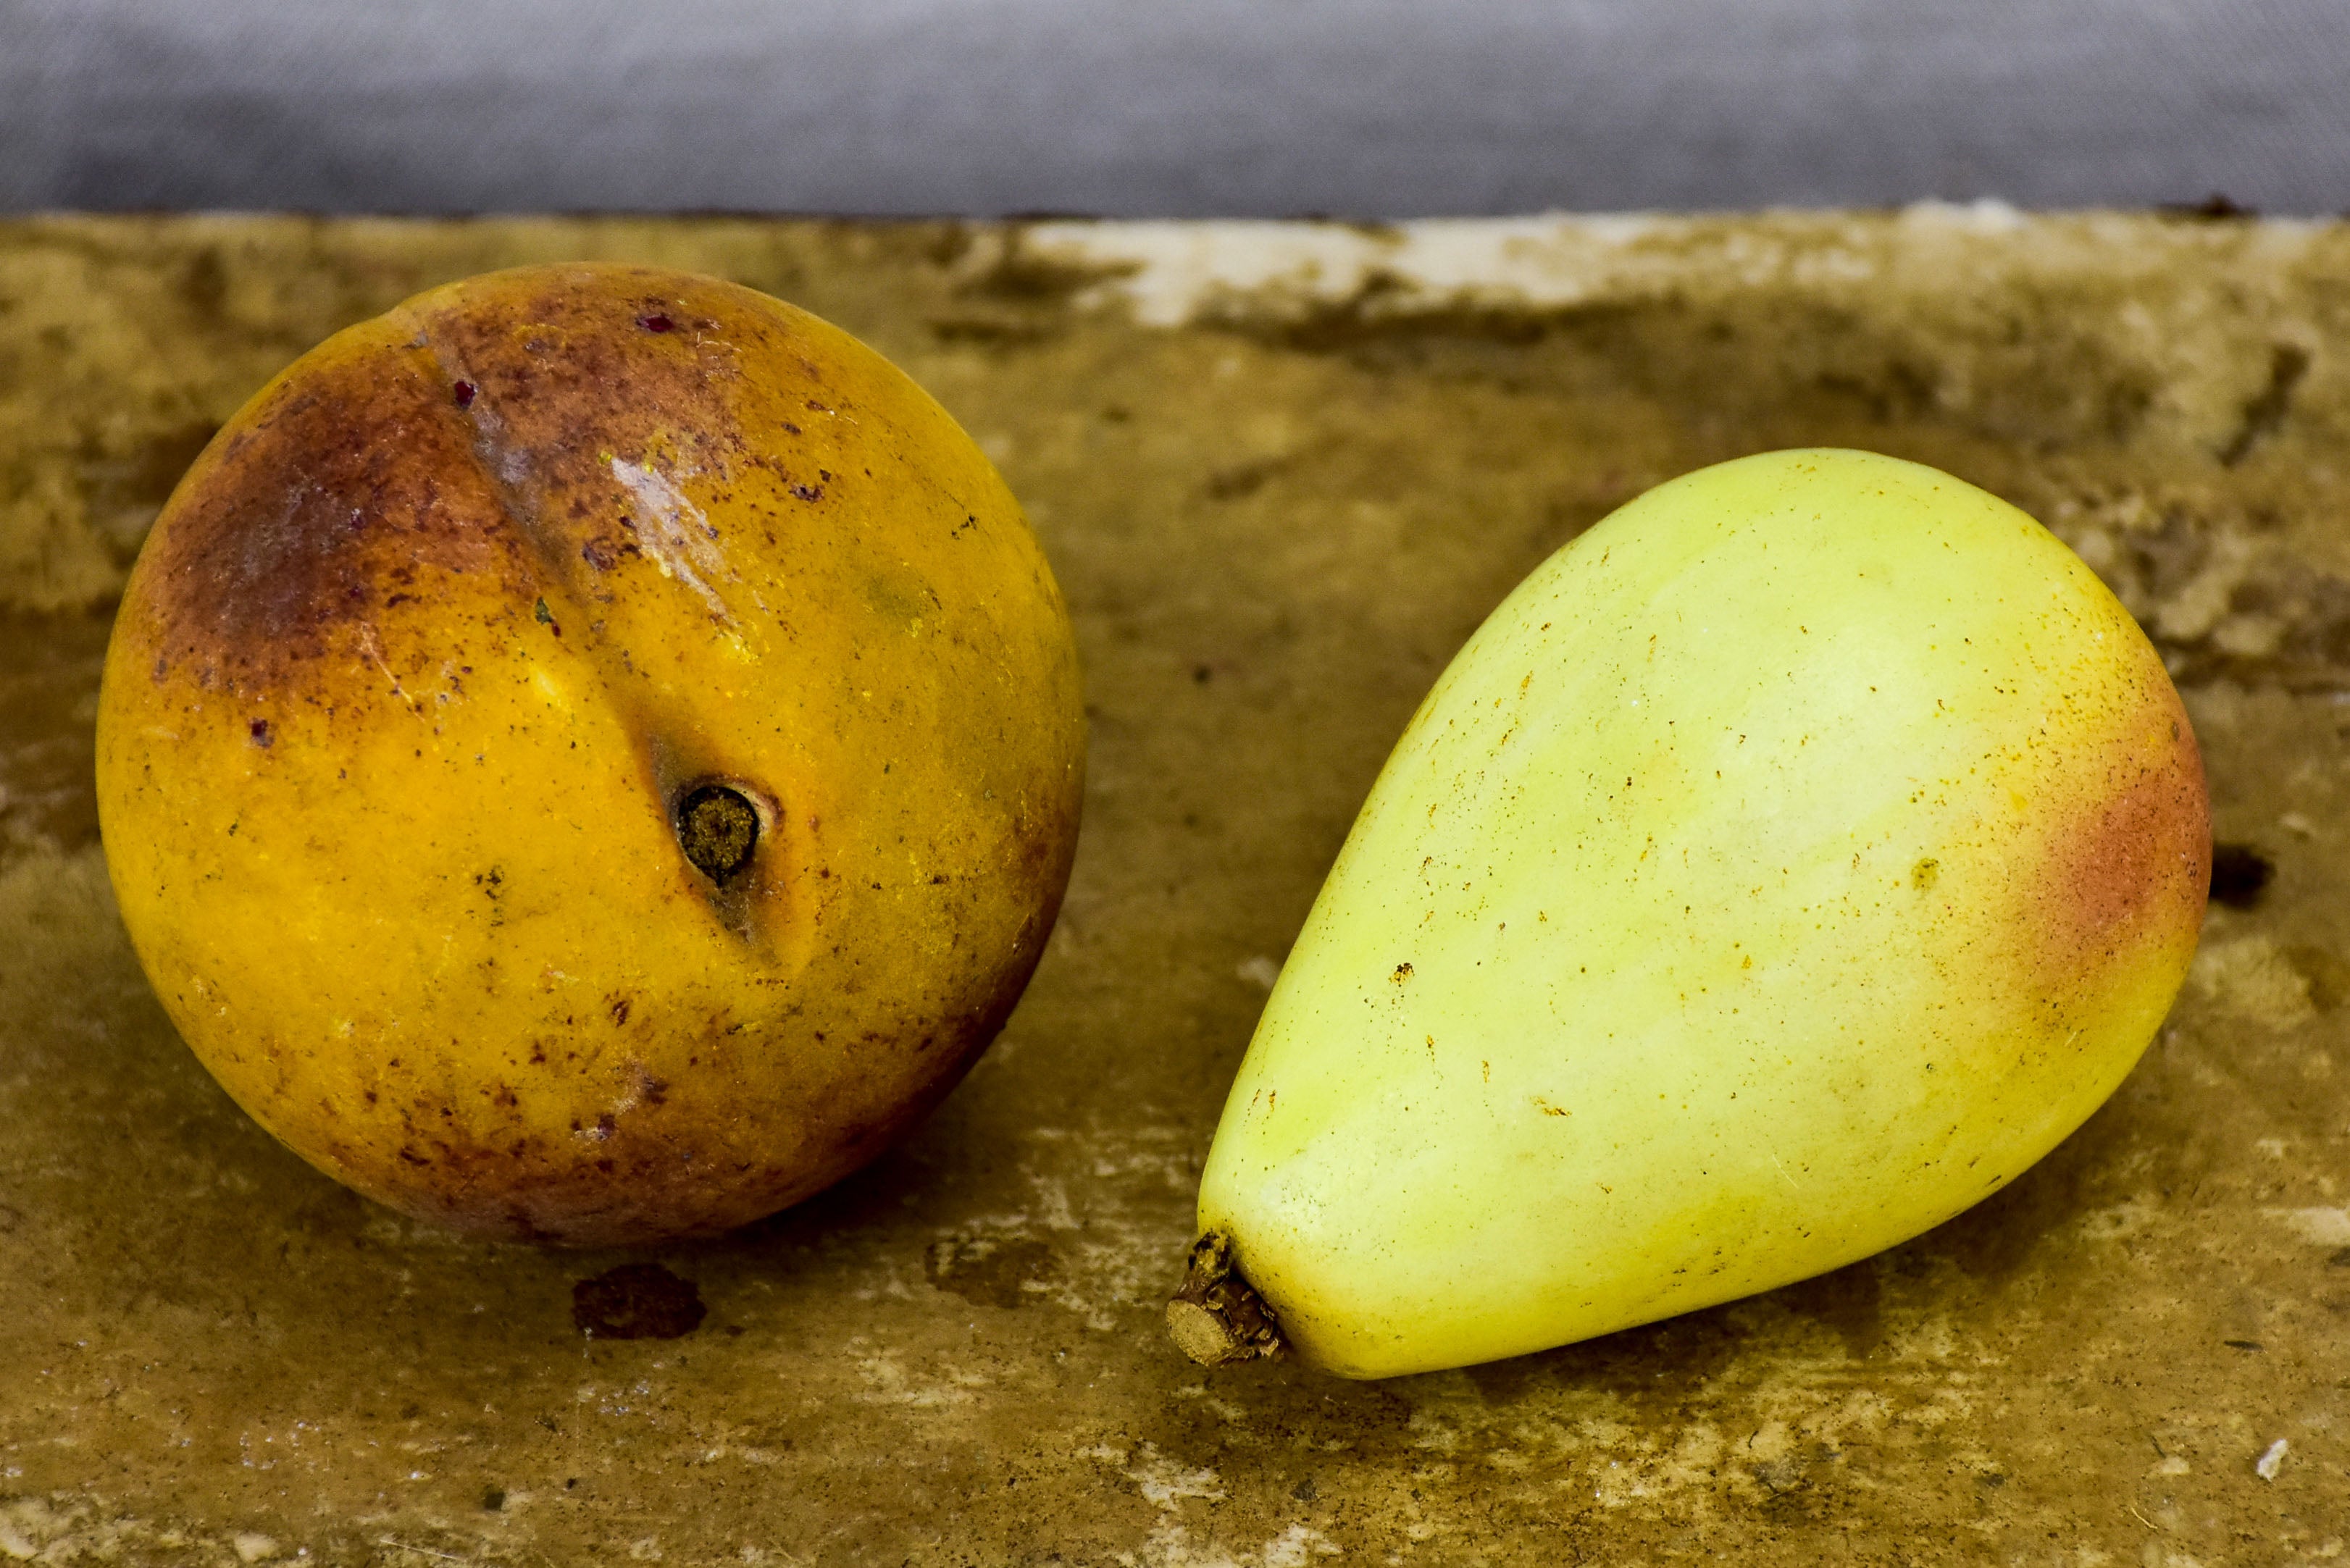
(205, 284)
(2123, 406)
(1247, 479)
(151, 473)
(996, 331)
(259, 731)
(989, 1270)
(1020, 276)
(1991, 1478)
(1201, 674)
(656, 323)
(636, 1301)
(2215, 208)
(790, 429)
(2340, 1258)
(123, 488)
(493, 1500)
(807, 492)
(49, 663)
(1380, 310)
(2265, 412)
(620, 1011)
(718, 828)
(2239, 875)
(543, 616)
(464, 392)
(2328, 976)
(1304, 1490)
(1925, 874)
(2241, 1343)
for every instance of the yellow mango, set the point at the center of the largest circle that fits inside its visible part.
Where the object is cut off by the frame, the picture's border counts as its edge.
(591, 754)
(1786, 866)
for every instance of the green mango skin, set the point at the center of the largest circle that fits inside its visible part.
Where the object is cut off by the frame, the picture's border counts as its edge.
(1787, 864)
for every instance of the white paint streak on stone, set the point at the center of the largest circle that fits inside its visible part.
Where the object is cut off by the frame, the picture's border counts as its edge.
(1116, 1256)
(1165, 1483)
(2272, 1460)
(1294, 1546)
(2120, 1222)
(1172, 1546)
(2197, 608)
(2208, 350)
(1170, 273)
(2324, 1226)
(1259, 971)
(2251, 979)
(888, 1384)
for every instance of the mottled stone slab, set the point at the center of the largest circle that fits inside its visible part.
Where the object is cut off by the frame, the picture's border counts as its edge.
(1281, 470)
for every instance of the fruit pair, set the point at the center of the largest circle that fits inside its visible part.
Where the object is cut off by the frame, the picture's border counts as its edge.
(594, 754)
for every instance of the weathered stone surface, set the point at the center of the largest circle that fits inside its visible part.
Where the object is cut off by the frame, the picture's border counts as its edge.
(1282, 472)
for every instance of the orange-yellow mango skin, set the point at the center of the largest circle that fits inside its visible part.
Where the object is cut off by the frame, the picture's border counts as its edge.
(419, 660)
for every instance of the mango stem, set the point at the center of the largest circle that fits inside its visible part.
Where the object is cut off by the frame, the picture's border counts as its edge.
(1215, 1317)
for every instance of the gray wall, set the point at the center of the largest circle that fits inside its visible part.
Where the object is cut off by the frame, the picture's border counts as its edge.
(1374, 108)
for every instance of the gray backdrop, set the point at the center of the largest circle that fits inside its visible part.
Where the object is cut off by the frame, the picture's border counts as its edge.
(1359, 107)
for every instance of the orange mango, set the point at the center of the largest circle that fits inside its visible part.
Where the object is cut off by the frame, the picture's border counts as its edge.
(591, 754)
